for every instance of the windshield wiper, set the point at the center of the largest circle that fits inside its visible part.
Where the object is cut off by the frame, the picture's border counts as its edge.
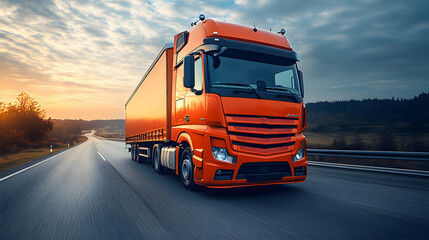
(284, 90)
(242, 85)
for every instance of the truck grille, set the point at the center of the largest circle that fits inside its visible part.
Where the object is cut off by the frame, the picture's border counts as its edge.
(260, 134)
(267, 171)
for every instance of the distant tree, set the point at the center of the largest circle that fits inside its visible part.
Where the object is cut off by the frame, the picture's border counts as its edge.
(386, 142)
(3, 126)
(339, 143)
(357, 143)
(403, 117)
(338, 113)
(334, 143)
(65, 130)
(31, 118)
(23, 122)
(420, 146)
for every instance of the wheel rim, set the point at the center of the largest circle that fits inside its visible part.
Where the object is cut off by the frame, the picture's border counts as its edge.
(186, 169)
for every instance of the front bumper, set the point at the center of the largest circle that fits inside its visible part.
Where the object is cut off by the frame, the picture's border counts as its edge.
(250, 169)
(252, 179)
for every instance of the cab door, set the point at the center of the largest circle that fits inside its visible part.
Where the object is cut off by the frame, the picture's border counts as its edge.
(180, 92)
(195, 100)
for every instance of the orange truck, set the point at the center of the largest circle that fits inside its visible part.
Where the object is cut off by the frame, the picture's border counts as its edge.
(221, 107)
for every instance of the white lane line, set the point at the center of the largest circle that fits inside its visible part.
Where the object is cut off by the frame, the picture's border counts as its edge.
(372, 168)
(25, 169)
(101, 156)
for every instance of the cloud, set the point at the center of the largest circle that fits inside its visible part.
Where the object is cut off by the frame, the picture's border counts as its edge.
(97, 51)
(95, 32)
(30, 9)
(360, 41)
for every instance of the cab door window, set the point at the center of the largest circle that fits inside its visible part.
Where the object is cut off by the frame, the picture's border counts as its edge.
(180, 89)
(198, 74)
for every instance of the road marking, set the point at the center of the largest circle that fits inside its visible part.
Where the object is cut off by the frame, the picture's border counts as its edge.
(371, 168)
(25, 169)
(101, 156)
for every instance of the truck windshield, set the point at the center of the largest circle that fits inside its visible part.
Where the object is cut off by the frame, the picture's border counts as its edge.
(271, 77)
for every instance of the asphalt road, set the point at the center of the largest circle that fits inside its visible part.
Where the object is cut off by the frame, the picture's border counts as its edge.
(79, 195)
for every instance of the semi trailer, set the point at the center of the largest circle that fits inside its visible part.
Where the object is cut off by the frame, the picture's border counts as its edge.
(222, 106)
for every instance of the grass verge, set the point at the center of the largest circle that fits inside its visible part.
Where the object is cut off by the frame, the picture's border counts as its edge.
(12, 160)
(111, 138)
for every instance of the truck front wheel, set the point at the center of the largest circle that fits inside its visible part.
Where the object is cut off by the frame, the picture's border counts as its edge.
(187, 169)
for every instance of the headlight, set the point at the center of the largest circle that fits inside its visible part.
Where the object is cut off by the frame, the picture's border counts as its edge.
(300, 154)
(222, 154)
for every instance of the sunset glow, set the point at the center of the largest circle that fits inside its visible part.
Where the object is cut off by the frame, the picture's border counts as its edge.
(82, 60)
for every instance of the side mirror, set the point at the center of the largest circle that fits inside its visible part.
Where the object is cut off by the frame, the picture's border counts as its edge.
(189, 72)
(301, 83)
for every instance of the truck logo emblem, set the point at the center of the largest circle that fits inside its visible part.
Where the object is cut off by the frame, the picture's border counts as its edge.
(186, 118)
(292, 115)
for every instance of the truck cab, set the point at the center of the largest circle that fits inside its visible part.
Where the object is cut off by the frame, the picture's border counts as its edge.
(238, 106)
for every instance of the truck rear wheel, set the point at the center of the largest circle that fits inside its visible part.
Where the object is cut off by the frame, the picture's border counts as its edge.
(136, 153)
(156, 159)
(133, 152)
(187, 169)
(139, 159)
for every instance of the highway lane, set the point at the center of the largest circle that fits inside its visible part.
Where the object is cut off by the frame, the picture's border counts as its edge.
(78, 195)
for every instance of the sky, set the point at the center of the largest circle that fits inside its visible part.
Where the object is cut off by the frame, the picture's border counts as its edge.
(82, 59)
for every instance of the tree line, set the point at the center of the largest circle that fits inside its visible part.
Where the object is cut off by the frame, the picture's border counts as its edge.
(397, 124)
(412, 110)
(393, 124)
(24, 124)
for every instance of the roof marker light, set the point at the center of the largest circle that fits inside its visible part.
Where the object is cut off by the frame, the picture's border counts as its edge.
(214, 33)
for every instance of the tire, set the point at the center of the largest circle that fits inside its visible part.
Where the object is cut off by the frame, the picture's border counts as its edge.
(133, 152)
(156, 159)
(186, 169)
(138, 157)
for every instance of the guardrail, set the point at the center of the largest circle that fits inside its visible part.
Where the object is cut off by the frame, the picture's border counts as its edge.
(414, 156)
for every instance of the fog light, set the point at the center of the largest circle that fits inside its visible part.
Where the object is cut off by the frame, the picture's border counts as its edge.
(300, 171)
(223, 174)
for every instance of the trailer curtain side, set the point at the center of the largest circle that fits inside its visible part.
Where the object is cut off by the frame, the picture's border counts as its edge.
(146, 110)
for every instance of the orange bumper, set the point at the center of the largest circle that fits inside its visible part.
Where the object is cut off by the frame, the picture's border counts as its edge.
(210, 170)
(249, 169)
